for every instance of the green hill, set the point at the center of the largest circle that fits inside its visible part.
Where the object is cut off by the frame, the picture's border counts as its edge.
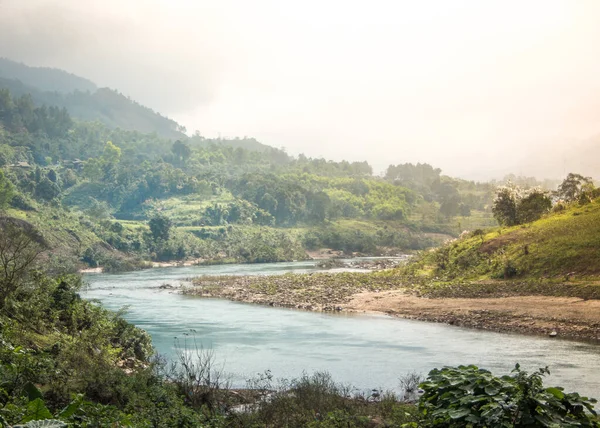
(44, 78)
(556, 255)
(83, 100)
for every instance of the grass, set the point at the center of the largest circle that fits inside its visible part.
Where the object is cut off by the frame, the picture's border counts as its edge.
(556, 255)
(188, 210)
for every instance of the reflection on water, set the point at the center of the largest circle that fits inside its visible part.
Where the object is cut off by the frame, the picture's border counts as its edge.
(363, 350)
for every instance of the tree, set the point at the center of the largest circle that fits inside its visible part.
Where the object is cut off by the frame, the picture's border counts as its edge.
(111, 154)
(533, 206)
(513, 205)
(504, 207)
(450, 206)
(46, 190)
(573, 186)
(319, 205)
(92, 170)
(268, 203)
(52, 176)
(20, 246)
(181, 151)
(6, 191)
(160, 226)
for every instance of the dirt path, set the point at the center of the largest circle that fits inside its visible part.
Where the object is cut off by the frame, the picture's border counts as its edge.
(567, 316)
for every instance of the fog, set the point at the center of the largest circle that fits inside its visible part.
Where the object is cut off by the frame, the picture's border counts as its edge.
(477, 88)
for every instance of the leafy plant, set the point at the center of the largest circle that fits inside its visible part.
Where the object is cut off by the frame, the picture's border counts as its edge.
(472, 397)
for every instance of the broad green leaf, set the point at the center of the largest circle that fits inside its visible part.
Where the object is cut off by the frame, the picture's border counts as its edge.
(32, 391)
(73, 406)
(556, 392)
(491, 390)
(37, 410)
(459, 413)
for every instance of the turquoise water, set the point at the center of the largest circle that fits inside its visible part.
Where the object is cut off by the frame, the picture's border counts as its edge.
(365, 351)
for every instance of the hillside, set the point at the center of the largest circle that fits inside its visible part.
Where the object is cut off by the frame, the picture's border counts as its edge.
(83, 100)
(556, 255)
(44, 78)
(242, 143)
(97, 189)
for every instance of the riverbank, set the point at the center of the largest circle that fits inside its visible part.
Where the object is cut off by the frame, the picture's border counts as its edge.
(565, 317)
(358, 262)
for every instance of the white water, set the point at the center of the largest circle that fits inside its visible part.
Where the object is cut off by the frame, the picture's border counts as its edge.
(363, 350)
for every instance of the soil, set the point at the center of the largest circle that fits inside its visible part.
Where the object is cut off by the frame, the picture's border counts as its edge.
(568, 317)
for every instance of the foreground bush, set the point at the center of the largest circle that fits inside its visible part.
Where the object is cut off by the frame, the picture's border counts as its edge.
(467, 396)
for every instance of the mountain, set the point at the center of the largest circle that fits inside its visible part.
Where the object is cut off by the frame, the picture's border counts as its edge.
(44, 78)
(246, 143)
(83, 100)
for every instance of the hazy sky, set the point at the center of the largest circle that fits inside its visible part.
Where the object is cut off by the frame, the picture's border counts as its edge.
(475, 87)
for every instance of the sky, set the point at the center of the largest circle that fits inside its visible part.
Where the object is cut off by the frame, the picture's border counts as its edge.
(477, 88)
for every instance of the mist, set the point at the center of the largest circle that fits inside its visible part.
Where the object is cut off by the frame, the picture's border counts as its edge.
(479, 89)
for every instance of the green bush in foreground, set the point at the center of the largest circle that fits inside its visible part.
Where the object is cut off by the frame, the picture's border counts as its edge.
(467, 396)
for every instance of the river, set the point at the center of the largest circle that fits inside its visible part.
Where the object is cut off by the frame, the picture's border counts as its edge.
(366, 351)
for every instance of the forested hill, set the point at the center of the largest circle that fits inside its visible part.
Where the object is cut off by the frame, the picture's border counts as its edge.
(83, 100)
(44, 78)
(96, 192)
(246, 143)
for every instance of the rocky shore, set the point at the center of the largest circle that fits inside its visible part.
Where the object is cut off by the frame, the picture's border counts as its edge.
(563, 317)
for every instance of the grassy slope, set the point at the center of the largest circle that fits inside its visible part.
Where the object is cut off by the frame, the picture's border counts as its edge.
(557, 255)
(65, 234)
(69, 235)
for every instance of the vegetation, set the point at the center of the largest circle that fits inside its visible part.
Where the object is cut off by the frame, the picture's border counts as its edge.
(561, 246)
(83, 100)
(227, 200)
(469, 396)
(514, 205)
(68, 362)
(118, 190)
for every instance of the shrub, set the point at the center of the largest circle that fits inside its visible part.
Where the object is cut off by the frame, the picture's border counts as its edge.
(469, 396)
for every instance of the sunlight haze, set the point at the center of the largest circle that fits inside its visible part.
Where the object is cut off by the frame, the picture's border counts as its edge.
(478, 89)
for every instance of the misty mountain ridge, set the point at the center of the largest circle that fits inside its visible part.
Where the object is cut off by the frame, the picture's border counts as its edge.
(84, 100)
(45, 78)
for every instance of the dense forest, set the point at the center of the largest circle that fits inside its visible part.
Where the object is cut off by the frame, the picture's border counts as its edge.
(218, 199)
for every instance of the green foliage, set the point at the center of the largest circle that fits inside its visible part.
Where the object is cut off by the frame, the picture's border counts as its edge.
(505, 207)
(364, 237)
(514, 205)
(6, 191)
(573, 187)
(20, 246)
(533, 206)
(469, 396)
(111, 154)
(541, 254)
(83, 100)
(160, 227)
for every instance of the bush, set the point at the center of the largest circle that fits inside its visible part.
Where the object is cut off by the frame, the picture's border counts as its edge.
(22, 202)
(469, 396)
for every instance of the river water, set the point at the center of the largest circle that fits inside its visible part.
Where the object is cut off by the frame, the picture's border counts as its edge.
(365, 351)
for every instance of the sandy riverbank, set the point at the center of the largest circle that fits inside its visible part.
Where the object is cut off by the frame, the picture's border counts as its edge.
(569, 317)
